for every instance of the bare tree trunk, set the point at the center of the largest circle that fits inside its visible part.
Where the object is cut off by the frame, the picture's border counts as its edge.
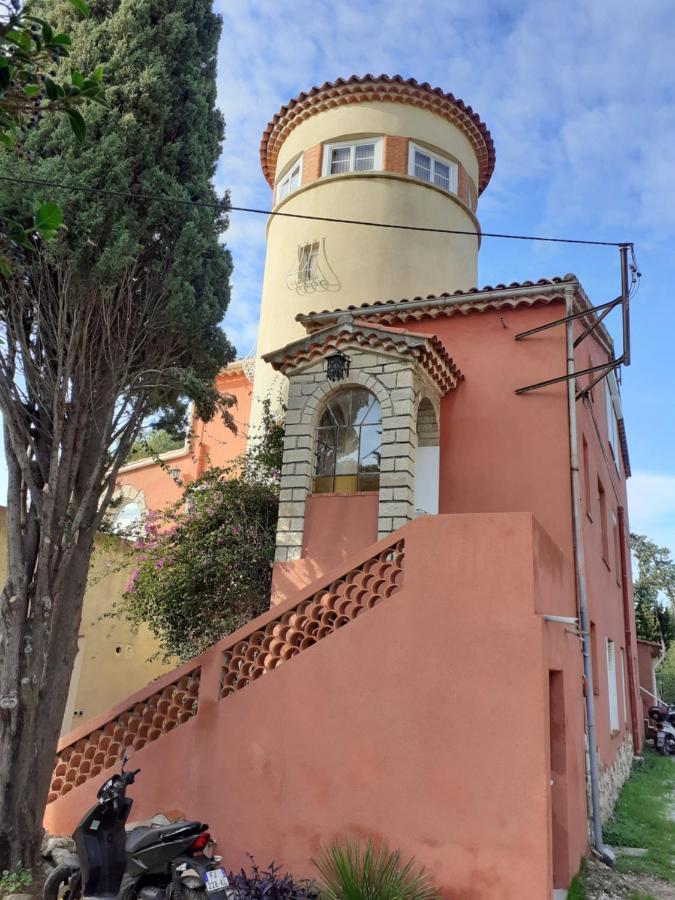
(30, 728)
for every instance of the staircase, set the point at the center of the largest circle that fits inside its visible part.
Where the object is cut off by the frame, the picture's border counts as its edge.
(252, 652)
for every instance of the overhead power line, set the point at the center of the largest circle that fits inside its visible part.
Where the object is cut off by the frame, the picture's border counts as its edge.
(159, 198)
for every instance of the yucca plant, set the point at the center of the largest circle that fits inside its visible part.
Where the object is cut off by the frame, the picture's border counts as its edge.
(351, 872)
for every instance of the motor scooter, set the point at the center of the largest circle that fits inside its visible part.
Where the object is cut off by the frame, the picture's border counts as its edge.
(664, 722)
(173, 861)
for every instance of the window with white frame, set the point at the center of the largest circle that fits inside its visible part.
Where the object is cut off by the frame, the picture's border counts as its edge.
(352, 156)
(291, 180)
(612, 423)
(612, 692)
(427, 166)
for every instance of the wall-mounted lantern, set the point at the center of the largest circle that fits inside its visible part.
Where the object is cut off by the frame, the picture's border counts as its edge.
(337, 366)
(175, 474)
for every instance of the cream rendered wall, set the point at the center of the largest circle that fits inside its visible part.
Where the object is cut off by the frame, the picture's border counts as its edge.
(378, 118)
(365, 264)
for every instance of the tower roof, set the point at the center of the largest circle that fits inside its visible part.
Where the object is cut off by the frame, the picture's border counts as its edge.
(363, 88)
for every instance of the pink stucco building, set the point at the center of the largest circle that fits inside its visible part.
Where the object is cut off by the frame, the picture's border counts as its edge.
(443, 537)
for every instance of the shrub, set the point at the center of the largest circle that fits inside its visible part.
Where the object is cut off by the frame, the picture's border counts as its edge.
(12, 882)
(269, 884)
(348, 872)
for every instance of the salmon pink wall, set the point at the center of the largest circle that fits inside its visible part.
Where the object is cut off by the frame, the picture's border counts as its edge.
(501, 452)
(417, 723)
(337, 525)
(213, 444)
(604, 580)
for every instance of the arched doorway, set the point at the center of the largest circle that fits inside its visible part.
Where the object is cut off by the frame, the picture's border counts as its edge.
(427, 460)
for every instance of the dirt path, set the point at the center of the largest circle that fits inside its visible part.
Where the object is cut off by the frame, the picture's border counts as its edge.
(602, 883)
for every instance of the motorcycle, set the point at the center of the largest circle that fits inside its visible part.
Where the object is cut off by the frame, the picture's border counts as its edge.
(173, 861)
(664, 722)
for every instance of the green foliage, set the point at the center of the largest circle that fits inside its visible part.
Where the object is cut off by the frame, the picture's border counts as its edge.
(13, 882)
(159, 133)
(642, 818)
(30, 50)
(204, 564)
(349, 872)
(665, 676)
(154, 443)
(576, 890)
(654, 621)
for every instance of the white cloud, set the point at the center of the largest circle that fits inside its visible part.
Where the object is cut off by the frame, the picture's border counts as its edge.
(651, 506)
(578, 97)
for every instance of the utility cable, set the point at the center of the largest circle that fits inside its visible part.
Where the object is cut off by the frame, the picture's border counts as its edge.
(226, 207)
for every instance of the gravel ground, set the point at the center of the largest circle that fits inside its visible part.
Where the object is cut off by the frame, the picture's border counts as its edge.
(603, 883)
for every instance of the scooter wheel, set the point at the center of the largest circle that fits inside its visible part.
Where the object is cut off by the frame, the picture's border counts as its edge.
(63, 884)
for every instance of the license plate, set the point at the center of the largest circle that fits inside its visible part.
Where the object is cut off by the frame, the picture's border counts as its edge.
(216, 880)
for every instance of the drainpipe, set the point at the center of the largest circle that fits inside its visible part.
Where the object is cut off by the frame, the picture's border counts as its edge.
(582, 600)
(628, 643)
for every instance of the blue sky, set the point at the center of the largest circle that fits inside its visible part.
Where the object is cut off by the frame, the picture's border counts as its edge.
(579, 98)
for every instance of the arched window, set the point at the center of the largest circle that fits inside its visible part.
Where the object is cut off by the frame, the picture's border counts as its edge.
(348, 441)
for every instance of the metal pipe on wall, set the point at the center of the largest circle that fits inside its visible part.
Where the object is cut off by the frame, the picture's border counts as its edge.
(580, 574)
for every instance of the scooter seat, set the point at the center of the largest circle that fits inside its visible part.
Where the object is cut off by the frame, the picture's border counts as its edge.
(145, 835)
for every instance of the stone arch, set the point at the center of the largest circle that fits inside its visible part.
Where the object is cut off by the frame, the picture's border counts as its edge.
(427, 458)
(127, 496)
(323, 392)
(427, 424)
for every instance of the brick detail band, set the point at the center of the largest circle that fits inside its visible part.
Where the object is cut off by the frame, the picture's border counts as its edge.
(394, 160)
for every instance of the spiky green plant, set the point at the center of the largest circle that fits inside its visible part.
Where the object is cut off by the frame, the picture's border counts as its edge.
(351, 872)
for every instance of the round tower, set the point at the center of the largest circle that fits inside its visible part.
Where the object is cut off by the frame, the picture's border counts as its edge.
(382, 149)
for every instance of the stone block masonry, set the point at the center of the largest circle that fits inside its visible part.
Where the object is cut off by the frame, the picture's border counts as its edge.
(399, 384)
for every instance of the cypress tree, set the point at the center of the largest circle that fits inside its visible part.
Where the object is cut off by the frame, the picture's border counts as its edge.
(114, 320)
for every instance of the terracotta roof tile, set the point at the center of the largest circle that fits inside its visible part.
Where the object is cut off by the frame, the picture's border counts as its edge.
(394, 88)
(476, 298)
(427, 349)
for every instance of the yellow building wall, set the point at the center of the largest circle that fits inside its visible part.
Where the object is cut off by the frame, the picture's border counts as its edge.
(363, 263)
(113, 660)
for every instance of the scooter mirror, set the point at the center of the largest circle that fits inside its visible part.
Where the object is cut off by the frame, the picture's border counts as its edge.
(125, 756)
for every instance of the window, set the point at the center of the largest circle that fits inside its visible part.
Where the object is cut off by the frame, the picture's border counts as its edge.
(612, 693)
(617, 548)
(602, 502)
(424, 165)
(348, 443)
(128, 518)
(308, 257)
(623, 685)
(291, 180)
(594, 659)
(353, 156)
(587, 478)
(612, 424)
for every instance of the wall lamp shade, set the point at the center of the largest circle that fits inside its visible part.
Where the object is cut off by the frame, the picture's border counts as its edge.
(337, 366)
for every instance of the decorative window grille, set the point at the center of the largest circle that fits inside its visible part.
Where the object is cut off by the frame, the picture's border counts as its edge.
(310, 270)
(426, 166)
(291, 181)
(353, 156)
(612, 692)
(348, 442)
(308, 257)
